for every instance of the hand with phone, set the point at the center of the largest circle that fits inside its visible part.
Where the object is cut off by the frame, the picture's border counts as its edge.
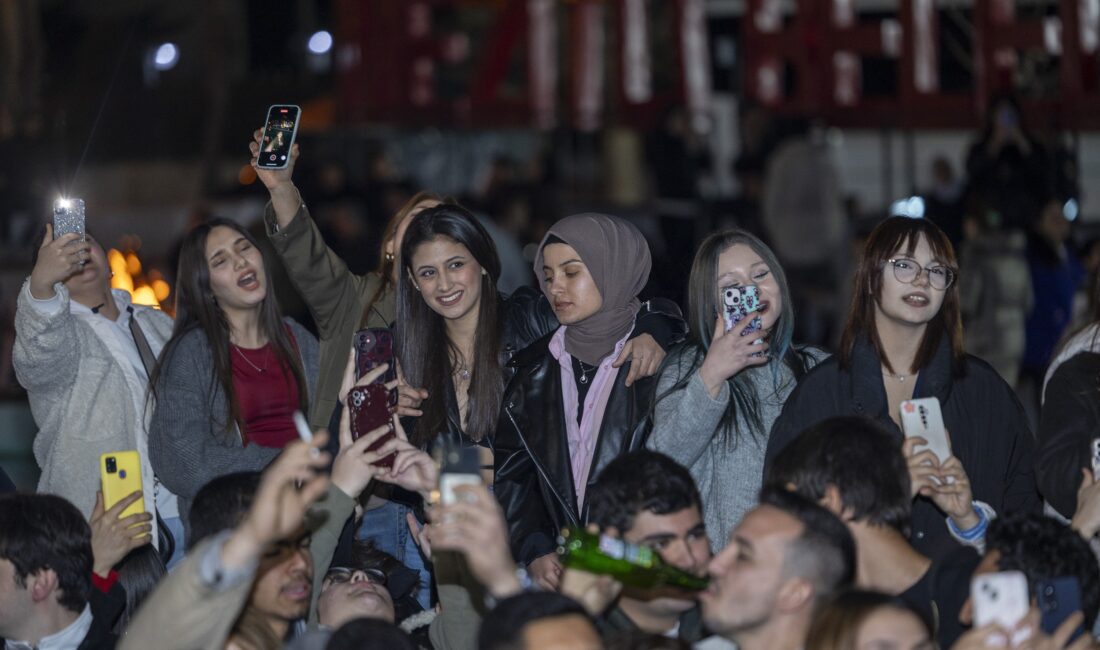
(995, 635)
(355, 465)
(285, 198)
(645, 356)
(731, 352)
(474, 526)
(58, 260)
(114, 536)
(412, 469)
(946, 484)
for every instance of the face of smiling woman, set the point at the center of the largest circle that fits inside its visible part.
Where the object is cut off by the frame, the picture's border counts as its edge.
(448, 277)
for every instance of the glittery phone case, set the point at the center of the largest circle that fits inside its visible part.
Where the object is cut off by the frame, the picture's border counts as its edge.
(68, 217)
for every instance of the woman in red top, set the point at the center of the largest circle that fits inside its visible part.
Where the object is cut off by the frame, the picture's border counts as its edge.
(234, 370)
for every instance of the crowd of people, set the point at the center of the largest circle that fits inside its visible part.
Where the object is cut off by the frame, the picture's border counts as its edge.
(778, 472)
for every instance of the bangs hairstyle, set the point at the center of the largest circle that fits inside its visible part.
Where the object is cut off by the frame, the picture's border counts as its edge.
(703, 309)
(386, 266)
(901, 235)
(196, 308)
(426, 363)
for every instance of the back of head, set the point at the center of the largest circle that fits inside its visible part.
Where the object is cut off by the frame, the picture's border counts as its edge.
(837, 624)
(860, 458)
(221, 504)
(638, 482)
(370, 634)
(825, 553)
(502, 629)
(43, 531)
(1042, 549)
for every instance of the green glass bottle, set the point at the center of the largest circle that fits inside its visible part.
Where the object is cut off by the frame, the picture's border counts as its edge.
(634, 566)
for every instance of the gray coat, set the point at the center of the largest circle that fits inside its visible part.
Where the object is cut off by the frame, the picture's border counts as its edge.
(81, 395)
(685, 428)
(190, 441)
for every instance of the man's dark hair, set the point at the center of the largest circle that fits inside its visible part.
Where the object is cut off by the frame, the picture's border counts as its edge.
(221, 504)
(502, 629)
(1042, 549)
(369, 634)
(638, 482)
(858, 456)
(825, 552)
(44, 531)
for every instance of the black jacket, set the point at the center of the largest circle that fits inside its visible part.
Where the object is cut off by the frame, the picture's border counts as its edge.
(1070, 420)
(534, 477)
(988, 427)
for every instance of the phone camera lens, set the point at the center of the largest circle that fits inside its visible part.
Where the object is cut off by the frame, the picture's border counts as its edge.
(112, 466)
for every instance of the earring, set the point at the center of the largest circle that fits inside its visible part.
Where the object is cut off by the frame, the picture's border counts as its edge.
(484, 272)
(416, 286)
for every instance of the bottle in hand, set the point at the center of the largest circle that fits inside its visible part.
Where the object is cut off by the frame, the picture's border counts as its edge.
(634, 566)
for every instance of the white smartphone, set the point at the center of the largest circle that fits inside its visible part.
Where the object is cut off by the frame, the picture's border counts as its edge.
(922, 418)
(1001, 598)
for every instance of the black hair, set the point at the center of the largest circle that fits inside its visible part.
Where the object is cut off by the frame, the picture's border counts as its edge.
(221, 504)
(824, 552)
(369, 634)
(44, 531)
(637, 482)
(502, 629)
(425, 351)
(139, 573)
(858, 456)
(1042, 549)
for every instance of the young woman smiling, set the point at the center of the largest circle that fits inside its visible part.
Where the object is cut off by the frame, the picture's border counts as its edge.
(719, 394)
(903, 340)
(569, 410)
(234, 370)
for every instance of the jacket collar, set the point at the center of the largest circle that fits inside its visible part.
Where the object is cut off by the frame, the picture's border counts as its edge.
(869, 389)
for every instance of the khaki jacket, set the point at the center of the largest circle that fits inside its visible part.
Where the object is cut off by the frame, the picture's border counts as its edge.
(336, 298)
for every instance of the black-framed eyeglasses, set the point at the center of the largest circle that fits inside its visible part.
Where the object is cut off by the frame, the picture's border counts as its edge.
(907, 271)
(341, 575)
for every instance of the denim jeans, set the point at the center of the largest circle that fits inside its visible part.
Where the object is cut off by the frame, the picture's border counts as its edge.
(387, 528)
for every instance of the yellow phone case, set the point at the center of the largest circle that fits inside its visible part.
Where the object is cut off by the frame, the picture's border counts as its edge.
(120, 472)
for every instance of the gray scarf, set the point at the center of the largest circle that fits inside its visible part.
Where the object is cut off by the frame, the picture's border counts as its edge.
(618, 259)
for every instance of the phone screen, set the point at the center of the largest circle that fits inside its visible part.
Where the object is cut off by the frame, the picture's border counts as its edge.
(279, 133)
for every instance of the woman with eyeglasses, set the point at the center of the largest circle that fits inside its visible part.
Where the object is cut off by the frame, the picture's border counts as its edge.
(903, 340)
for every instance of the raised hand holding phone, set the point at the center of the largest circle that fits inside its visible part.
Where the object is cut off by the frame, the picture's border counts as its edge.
(58, 260)
(730, 352)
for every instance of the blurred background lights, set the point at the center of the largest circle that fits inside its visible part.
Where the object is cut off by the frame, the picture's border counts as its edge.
(320, 42)
(166, 57)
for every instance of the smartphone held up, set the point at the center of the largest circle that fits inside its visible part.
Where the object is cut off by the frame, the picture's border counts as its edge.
(280, 131)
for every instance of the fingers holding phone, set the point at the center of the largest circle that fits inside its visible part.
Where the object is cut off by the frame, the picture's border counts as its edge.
(114, 536)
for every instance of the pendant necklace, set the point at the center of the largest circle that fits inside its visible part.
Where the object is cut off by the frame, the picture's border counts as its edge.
(249, 362)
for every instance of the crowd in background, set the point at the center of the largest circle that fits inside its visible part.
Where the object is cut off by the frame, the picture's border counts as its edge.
(594, 379)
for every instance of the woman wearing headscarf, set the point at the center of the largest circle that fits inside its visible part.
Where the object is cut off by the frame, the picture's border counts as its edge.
(568, 411)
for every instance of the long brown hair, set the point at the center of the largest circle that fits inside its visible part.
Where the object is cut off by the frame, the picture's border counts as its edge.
(386, 262)
(196, 308)
(890, 236)
(425, 361)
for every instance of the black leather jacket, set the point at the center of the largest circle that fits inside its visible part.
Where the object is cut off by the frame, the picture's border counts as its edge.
(533, 474)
